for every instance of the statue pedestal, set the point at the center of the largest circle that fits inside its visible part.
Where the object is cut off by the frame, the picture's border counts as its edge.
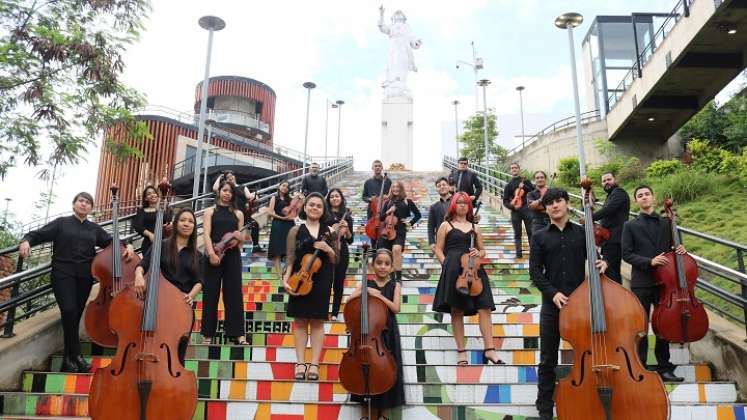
(396, 132)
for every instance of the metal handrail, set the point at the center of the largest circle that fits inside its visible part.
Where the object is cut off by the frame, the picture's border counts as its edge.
(561, 124)
(331, 169)
(492, 178)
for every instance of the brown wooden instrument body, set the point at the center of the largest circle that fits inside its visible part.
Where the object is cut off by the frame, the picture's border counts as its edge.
(96, 318)
(636, 392)
(388, 229)
(301, 282)
(518, 201)
(294, 207)
(146, 356)
(674, 302)
(468, 283)
(373, 224)
(601, 234)
(372, 353)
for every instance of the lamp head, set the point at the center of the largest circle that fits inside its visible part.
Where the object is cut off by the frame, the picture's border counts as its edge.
(309, 85)
(212, 23)
(569, 20)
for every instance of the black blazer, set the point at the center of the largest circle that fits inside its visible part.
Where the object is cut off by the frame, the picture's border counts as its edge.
(644, 238)
(614, 214)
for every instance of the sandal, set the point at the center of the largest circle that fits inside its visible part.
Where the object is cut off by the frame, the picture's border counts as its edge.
(240, 341)
(486, 359)
(462, 362)
(312, 376)
(300, 375)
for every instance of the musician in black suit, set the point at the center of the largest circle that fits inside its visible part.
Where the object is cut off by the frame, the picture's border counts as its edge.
(466, 180)
(521, 213)
(613, 216)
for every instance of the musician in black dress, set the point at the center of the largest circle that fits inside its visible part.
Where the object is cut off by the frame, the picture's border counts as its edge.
(145, 218)
(243, 199)
(557, 266)
(540, 219)
(402, 207)
(74, 240)
(453, 241)
(181, 264)
(645, 239)
(437, 211)
(337, 206)
(521, 213)
(281, 224)
(613, 216)
(390, 292)
(218, 220)
(310, 311)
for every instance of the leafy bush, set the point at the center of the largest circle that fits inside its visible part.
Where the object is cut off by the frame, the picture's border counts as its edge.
(632, 170)
(706, 157)
(568, 171)
(686, 186)
(659, 168)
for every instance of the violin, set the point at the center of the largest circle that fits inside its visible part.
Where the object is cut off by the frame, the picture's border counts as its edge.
(468, 283)
(113, 274)
(601, 234)
(372, 225)
(295, 206)
(146, 380)
(229, 241)
(603, 322)
(679, 317)
(388, 228)
(518, 201)
(301, 282)
(367, 367)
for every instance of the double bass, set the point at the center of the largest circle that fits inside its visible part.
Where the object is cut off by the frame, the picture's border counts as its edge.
(146, 380)
(679, 317)
(372, 225)
(367, 367)
(112, 273)
(603, 322)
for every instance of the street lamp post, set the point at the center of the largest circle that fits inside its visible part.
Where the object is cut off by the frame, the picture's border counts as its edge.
(212, 24)
(521, 110)
(326, 125)
(568, 21)
(476, 65)
(484, 83)
(456, 127)
(339, 104)
(308, 86)
(209, 124)
(5, 215)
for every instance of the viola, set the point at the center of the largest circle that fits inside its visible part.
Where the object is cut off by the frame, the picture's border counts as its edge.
(113, 274)
(388, 228)
(295, 206)
(367, 367)
(146, 380)
(603, 322)
(679, 316)
(373, 224)
(518, 201)
(301, 282)
(468, 283)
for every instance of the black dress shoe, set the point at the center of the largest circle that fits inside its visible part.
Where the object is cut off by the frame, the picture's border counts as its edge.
(83, 366)
(546, 416)
(69, 365)
(670, 377)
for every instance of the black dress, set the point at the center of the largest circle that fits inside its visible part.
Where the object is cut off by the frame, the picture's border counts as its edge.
(315, 305)
(457, 243)
(146, 220)
(395, 397)
(341, 268)
(279, 229)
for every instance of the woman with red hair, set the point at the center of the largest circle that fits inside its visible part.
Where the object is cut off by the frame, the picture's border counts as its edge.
(452, 241)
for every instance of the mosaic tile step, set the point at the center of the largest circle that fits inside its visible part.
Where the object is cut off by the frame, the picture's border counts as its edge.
(284, 371)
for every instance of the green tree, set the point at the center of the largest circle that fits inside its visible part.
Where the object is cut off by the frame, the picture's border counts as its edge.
(709, 124)
(472, 140)
(724, 127)
(60, 68)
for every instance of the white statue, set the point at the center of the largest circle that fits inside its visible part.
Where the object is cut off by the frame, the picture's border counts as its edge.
(400, 60)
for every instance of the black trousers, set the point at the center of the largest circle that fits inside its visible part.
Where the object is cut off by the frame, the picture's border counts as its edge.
(648, 296)
(612, 253)
(229, 274)
(517, 217)
(549, 345)
(71, 293)
(338, 281)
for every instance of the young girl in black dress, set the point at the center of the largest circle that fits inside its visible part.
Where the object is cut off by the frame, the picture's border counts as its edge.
(312, 310)
(402, 207)
(390, 292)
(281, 225)
(218, 220)
(145, 218)
(181, 264)
(337, 207)
(452, 241)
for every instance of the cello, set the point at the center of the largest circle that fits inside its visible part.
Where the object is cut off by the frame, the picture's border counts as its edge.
(112, 273)
(679, 317)
(603, 322)
(372, 225)
(367, 367)
(146, 380)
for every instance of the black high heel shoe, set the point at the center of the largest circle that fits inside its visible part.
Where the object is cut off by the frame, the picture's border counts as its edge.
(462, 362)
(486, 359)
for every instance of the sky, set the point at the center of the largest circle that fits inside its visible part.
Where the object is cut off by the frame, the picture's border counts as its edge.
(337, 45)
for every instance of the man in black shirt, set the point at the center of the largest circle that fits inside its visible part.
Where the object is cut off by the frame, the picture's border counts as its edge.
(557, 267)
(372, 186)
(437, 211)
(534, 200)
(521, 213)
(613, 216)
(466, 180)
(313, 182)
(644, 242)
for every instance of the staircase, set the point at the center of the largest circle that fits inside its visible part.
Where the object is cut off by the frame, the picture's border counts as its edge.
(256, 381)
